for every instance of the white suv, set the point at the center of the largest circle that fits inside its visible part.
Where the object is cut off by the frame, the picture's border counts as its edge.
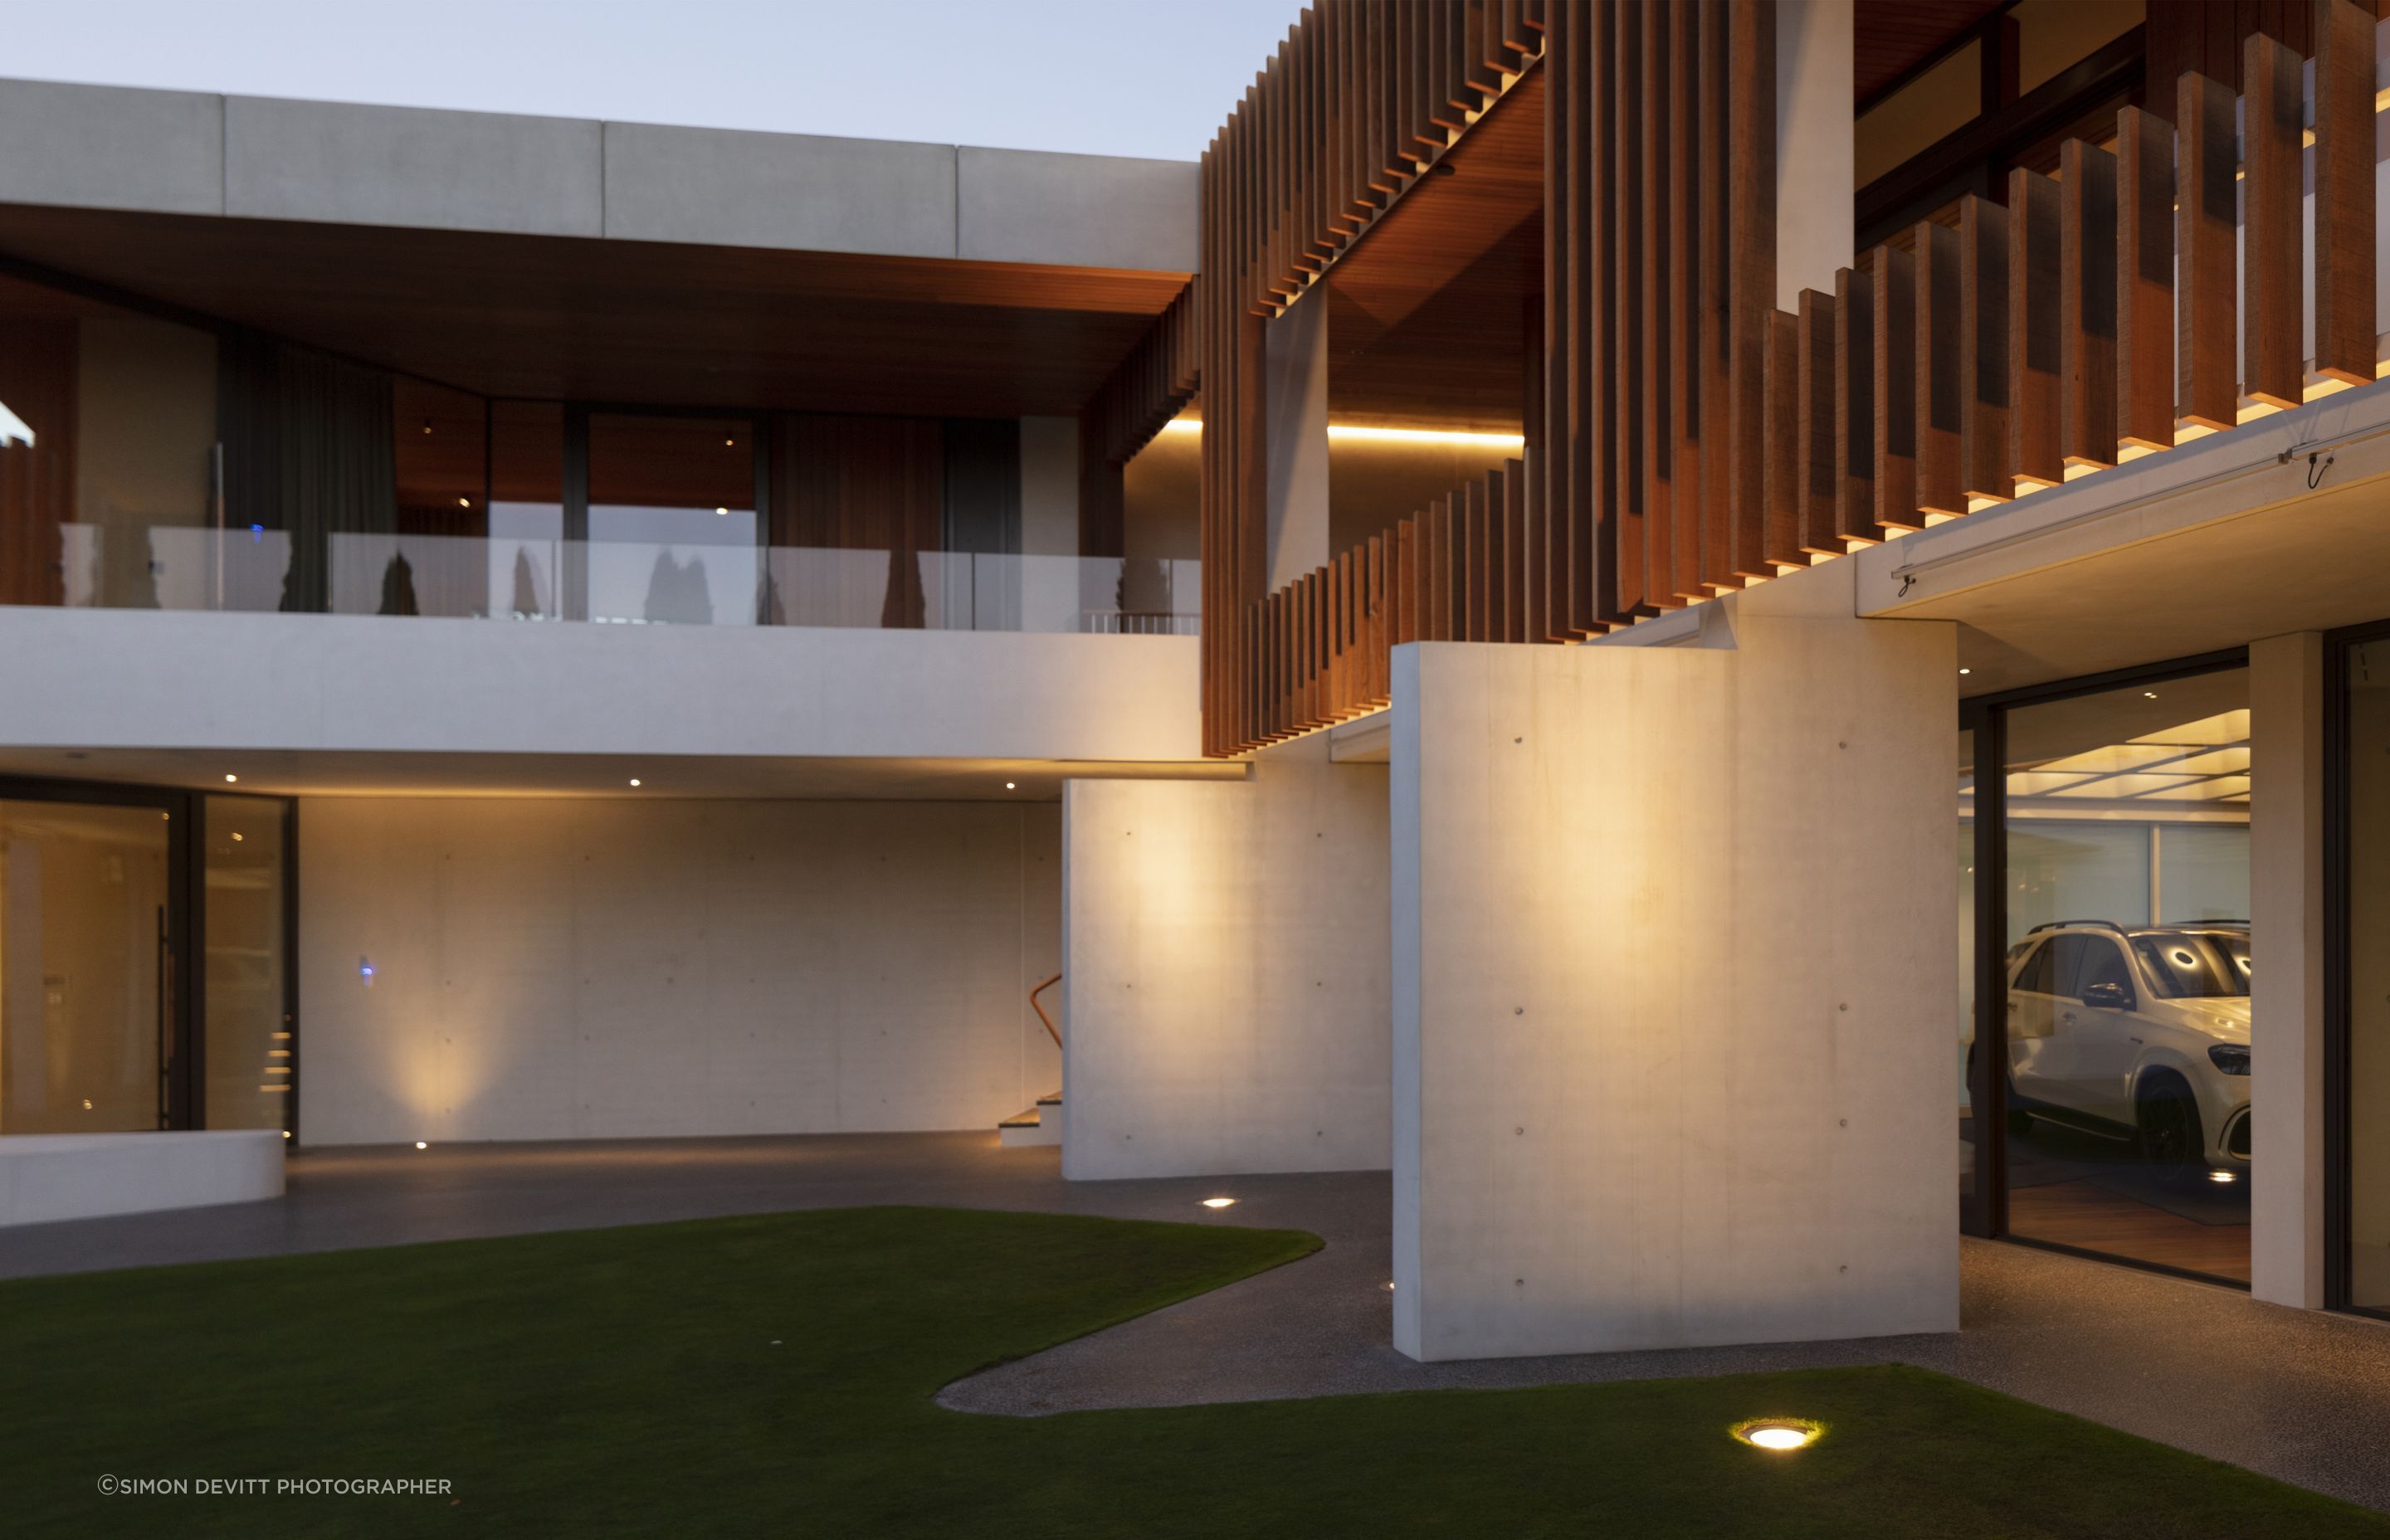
(2143, 1030)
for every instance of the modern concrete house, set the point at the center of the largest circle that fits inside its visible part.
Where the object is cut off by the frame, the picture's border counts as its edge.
(1713, 632)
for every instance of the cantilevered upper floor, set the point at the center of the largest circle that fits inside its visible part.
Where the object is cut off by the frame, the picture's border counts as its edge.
(292, 359)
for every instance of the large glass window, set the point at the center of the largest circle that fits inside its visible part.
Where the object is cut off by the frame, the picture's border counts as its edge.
(2365, 719)
(250, 1057)
(107, 430)
(673, 519)
(86, 1011)
(2126, 1016)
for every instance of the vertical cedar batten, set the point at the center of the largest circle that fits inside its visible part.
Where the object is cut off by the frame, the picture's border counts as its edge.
(2272, 357)
(2206, 211)
(2086, 306)
(1656, 584)
(1982, 354)
(1620, 595)
(1855, 413)
(1751, 170)
(2036, 313)
(1813, 428)
(2344, 192)
(1939, 383)
(1717, 237)
(2144, 282)
(1894, 275)
(1592, 402)
(1683, 582)
(1781, 475)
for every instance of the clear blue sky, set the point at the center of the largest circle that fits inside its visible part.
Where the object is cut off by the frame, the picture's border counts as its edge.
(1112, 77)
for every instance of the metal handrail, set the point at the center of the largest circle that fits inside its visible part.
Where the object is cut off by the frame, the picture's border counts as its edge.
(1051, 1030)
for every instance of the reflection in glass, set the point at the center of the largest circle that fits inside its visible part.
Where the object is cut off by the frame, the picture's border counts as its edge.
(82, 950)
(2128, 945)
(2366, 706)
(673, 530)
(249, 1046)
(109, 436)
(1966, 965)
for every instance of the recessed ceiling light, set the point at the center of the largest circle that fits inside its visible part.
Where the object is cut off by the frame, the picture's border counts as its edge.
(729, 443)
(1966, 671)
(1217, 1202)
(464, 502)
(1779, 1433)
(634, 780)
(1009, 785)
(236, 837)
(231, 777)
(2149, 694)
(722, 513)
(420, 1145)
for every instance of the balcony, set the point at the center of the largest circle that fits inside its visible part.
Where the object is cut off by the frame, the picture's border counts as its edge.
(619, 581)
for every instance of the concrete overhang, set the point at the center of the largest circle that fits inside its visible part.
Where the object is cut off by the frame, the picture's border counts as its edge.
(569, 258)
(179, 152)
(2280, 525)
(330, 703)
(335, 772)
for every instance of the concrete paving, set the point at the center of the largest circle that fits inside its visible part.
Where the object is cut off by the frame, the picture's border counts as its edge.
(2297, 1394)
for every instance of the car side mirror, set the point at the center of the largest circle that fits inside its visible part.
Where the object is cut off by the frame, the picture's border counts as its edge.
(2108, 995)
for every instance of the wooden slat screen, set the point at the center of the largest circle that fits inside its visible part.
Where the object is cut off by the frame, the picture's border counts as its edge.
(1685, 436)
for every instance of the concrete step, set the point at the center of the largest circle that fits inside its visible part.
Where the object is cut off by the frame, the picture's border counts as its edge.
(1041, 1124)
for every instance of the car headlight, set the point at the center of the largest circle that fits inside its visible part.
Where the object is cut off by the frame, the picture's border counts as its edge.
(2230, 1057)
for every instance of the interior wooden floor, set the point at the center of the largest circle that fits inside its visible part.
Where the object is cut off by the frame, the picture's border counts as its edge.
(2091, 1219)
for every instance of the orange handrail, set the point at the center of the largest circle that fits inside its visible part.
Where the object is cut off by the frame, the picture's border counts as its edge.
(1051, 1030)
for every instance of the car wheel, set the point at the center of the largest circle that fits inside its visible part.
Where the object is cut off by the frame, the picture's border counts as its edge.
(2171, 1142)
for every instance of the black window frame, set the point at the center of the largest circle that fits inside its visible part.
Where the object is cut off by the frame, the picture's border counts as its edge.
(1984, 1212)
(186, 808)
(2339, 1024)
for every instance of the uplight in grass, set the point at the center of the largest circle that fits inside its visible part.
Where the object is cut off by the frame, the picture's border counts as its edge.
(1780, 1434)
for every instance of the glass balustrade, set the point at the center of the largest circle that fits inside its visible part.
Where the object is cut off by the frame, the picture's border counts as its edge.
(622, 582)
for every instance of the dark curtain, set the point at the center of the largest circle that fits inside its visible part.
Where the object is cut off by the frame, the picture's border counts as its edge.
(339, 473)
(844, 484)
(307, 450)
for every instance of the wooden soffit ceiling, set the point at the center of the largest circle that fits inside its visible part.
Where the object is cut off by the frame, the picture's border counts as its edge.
(1891, 37)
(558, 317)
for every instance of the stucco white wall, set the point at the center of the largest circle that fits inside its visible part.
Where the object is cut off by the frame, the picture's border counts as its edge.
(615, 967)
(1228, 971)
(1673, 967)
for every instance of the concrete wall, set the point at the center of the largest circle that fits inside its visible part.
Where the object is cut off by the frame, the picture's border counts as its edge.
(1227, 964)
(2286, 920)
(598, 968)
(261, 157)
(189, 679)
(1672, 937)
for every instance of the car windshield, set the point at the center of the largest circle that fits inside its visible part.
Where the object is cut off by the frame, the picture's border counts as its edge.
(2191, 964)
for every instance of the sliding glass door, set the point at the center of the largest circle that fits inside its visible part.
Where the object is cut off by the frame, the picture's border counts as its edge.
(2109, 1082)
(145, 939)
(91, 947)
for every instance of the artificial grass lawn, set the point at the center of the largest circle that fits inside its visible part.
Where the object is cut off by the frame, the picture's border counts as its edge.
(623, 1381)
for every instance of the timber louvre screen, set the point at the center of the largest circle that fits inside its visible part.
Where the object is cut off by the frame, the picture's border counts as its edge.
(2035, 341)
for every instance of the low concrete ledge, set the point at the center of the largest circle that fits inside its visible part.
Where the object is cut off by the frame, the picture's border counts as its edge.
(50, 1176)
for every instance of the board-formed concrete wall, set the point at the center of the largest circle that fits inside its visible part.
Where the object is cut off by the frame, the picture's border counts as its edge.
(1673, 974)
(602, 968)
(1227, 969)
